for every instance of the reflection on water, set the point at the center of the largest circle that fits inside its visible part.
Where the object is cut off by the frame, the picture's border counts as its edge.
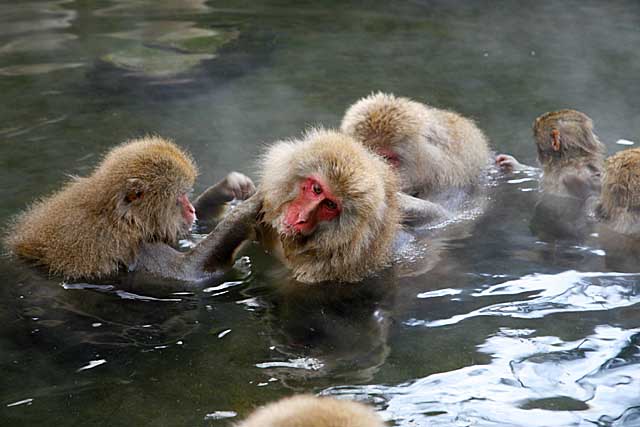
(531, 381)
(488, 320)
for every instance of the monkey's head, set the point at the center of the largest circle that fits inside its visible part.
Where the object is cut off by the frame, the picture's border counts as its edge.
(147, 184)
(390, 126)
(566, 135)
(333, 204)
(621, 184)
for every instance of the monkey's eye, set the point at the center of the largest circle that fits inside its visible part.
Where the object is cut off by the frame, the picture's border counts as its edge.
(316, 189)
(330, 204)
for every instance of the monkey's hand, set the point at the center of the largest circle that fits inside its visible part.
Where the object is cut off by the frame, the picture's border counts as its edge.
(508, 163)
(237, 186)
(417, 211)
(210, 204)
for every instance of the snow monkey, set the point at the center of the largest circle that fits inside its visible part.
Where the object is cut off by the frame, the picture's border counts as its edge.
(618, 211)
(432, 150)
(129, 213)
(570, 153)
(572, 157)
(311, 411)
(619, 204)
(329, 207)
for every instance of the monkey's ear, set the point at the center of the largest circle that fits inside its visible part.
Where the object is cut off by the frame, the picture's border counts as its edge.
(134, 190)
(555, 140)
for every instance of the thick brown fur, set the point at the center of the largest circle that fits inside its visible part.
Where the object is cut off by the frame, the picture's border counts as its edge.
(359, 241)
(310, 411)
(94, 225)
(437, 149)
(619, 205)
(581, 153)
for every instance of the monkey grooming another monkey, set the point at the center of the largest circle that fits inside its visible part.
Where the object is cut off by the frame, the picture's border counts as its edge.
(432, 150)
(311, 411)
(329, 207)
(130, 212)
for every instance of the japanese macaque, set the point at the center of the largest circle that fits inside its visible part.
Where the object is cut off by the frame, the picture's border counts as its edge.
(618, 210)
(572, 157)
(329, 207)
(619, 204)
(129, 213)
(432, 150)
(569, 152)
(311, 411)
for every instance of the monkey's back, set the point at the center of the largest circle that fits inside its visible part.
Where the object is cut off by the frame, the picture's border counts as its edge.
(67, 233)
(455, 151)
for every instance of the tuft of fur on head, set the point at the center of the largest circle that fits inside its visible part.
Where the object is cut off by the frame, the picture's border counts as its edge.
(310, 411)
(436, 149)
(619, 204)
(358, 242)
(383, 120)
(95, 224)
(577, 140)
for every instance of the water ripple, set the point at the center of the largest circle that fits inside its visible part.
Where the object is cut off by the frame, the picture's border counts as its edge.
(531, 381)
(569, 291)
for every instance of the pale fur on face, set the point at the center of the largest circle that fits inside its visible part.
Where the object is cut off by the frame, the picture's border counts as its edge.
(88, 228)
(358, 241)
(619, 205)
(437, 149)
(310, 411)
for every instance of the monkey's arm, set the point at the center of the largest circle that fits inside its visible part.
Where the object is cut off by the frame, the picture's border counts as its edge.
(209, 255)
(419, 211)
(210, 204)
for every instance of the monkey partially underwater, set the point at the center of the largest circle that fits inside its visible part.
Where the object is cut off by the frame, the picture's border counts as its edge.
(311, 411)
(618, 210)
(329, 207)
(129, 213)
(571, 157)
(437, 154)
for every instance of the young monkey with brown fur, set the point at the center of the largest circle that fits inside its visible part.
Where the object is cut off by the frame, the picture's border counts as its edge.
(571, 156)
(130, 212)
(570, 153)
(329, 207)
(432, 150)
(310, 411)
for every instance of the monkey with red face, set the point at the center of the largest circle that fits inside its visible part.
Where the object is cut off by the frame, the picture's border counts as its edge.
(435, 152)
(129, 213)
(329, 207)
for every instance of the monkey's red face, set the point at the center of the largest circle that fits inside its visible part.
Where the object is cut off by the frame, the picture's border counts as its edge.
(187, 209)
(314, 204)
(389, 155)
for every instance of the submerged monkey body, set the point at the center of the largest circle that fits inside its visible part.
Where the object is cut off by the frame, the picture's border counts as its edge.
(432, 149)
(353, 243)
(128, 213)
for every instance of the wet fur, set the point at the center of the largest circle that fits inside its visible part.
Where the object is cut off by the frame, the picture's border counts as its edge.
(310, 411)
(438, 149)
(359, 241)
(88, 229)
(619, 205)
(581, 152)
